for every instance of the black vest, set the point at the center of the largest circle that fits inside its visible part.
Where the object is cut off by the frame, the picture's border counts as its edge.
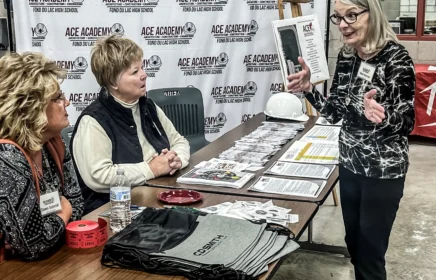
(120, 127)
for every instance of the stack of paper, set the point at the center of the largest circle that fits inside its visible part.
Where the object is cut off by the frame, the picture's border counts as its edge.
(312, 152)
(322, 134)
(323, 121)
(257, 147)
(215, 177)
(288, 187)
(291, 169)
(222, 164)
(254, 211)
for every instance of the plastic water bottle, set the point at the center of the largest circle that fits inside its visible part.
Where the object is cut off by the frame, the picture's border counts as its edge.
(120, 202)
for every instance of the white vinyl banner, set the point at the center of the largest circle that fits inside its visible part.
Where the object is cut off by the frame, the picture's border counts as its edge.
(225, 48)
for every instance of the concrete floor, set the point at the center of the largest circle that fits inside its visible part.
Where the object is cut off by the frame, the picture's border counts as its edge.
(412, 251)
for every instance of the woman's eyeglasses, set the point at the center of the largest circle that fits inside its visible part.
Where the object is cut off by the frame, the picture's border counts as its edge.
(60, 98)
(348, 18)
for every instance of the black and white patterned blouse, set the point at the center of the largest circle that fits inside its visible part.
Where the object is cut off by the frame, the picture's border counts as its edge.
(378, 151)
(31, 235)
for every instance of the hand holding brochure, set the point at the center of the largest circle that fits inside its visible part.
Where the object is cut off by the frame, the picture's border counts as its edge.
(215, 177)
(301, 36)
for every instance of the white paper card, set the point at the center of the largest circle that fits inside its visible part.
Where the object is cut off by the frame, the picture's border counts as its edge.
(50, 203)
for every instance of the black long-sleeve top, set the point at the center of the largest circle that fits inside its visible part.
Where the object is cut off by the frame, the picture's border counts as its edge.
(31, 235)
(378, 151)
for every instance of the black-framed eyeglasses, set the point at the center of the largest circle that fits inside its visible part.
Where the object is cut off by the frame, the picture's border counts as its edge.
(348, 18)
(60, 98)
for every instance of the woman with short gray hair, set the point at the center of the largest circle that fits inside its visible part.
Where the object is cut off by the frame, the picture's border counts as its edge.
(128, 129)
(372, 92)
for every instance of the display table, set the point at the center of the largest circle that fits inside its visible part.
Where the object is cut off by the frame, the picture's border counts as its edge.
(425, 109)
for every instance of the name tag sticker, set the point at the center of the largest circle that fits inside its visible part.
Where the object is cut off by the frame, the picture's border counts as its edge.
(50, 203)
(366, 71)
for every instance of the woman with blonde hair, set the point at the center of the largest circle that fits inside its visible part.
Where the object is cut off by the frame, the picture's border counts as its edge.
(372, 92)
(39, 193)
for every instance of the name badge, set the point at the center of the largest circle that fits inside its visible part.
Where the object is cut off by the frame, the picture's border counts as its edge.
(366, 71)
(50, 203)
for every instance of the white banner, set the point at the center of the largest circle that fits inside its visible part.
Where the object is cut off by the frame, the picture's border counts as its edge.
(225, 48)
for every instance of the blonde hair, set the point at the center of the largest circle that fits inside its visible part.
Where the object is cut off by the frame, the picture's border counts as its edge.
(111, 56)
(28, 82)
(379, 32)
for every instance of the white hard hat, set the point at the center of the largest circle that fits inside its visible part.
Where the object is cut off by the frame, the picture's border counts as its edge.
(284, 105)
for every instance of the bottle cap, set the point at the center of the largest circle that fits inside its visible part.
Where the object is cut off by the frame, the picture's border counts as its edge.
(120, 171)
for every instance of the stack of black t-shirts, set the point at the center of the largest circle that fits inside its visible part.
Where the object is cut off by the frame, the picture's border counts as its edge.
(172, 242)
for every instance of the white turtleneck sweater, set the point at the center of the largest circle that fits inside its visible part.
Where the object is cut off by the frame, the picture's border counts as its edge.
(94, 162)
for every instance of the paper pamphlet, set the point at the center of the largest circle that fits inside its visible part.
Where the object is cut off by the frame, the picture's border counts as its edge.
(320, 133)
(312, 152)
(291, 169)
(301, 36)
(288, 187)
(323, 121)
(222, 164)
(215, 177)
(253, 211)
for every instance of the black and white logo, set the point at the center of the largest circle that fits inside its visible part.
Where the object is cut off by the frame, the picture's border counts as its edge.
(169, 35)
(86, 36)
(246, 117)
(189, 28)
(267, 62)
(234, 33)
(276, 88)
(117, 29)
(75, 69)
(202, 6)
(210, 246)
(263, 5)
(234, 93)
(205, 65)
(130, 6)
(213, 125)
(80, 100)
(60, 6)
(152, 65)
(39, 32)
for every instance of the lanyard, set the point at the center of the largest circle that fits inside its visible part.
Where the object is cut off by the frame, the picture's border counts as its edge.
(49, 186)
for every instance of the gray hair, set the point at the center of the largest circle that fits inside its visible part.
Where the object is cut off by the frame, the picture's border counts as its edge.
(379, 32)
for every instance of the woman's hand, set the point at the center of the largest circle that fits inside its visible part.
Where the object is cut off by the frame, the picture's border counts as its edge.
(67, 210)
(300, 81)
(160, 165)
(175, 161)
(373, 111)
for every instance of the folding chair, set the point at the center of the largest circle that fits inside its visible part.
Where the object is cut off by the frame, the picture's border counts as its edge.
(66, 135)
(184, 107)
